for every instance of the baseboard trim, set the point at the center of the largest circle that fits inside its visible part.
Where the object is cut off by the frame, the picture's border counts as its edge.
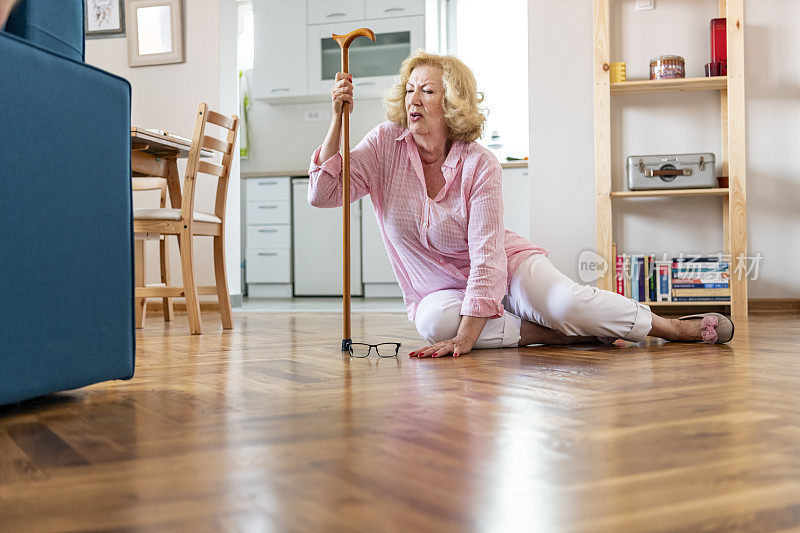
(755, 305)
(237, 300)
(774, 305)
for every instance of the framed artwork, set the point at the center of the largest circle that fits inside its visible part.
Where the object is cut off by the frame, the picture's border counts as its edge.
(155, 32)
(105, 18)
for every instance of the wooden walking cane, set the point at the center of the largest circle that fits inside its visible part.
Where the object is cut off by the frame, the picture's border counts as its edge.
(344, 41)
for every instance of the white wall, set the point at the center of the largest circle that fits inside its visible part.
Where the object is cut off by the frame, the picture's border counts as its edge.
(561, 113)
(166, 97)
(281, 138)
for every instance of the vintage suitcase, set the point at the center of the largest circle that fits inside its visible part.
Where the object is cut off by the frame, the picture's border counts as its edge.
(678, 171)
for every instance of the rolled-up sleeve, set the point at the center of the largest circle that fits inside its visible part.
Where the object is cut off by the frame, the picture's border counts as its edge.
(325, 178)
(488, 271)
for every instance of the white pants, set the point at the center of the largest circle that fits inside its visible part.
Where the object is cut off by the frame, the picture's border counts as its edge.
(539, 293)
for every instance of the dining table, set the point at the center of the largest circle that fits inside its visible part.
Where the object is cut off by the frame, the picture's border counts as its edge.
(155, 153)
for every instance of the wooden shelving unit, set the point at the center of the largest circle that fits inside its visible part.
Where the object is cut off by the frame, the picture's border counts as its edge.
(685, 84)
(732, 111)
(670, 193)
(687, 304)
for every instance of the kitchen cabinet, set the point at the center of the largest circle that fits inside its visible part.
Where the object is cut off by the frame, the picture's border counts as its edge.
(393, 8)
(280, 55)
(296, 60)
(379, 278)
(373, 65)
(327, 11)
(267, 238)
(317, 246)
(516, 200)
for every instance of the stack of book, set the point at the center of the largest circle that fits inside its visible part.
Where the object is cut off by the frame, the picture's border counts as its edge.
(645, 278)
(700, 279)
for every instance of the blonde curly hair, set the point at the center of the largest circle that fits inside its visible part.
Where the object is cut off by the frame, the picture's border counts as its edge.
(464, 117)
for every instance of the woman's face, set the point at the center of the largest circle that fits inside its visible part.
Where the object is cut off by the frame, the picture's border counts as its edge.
(424, 94)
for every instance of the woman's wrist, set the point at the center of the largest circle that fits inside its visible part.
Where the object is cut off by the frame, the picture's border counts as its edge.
(470, 328)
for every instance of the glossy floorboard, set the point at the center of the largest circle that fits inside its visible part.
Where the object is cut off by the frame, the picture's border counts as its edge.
(268, 428)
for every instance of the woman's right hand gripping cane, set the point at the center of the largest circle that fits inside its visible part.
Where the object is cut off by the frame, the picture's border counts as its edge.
(341, 92)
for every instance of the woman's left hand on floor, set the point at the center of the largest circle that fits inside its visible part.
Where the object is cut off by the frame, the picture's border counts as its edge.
(455, 346)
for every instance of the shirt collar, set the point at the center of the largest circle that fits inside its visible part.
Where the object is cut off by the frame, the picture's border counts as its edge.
(452, 157)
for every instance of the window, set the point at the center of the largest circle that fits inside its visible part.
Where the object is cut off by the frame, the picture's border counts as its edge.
(245, 40)
(493, 42)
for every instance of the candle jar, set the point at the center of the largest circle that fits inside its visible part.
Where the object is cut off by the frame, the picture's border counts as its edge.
(618, 72)
(667, 68)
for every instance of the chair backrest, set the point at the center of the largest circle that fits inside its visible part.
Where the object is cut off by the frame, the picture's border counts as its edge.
(56, 25)
(201, 141)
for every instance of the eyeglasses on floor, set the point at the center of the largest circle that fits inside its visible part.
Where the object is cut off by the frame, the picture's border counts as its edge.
(384, 349)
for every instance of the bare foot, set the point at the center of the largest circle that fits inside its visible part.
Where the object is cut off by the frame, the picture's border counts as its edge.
(672, 329)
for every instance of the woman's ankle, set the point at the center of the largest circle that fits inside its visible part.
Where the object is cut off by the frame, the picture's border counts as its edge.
(532, 333)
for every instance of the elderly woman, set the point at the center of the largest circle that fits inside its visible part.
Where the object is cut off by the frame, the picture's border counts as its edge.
(467, 281)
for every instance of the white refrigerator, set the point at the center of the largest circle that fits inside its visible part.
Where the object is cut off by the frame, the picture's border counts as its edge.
(317, 245)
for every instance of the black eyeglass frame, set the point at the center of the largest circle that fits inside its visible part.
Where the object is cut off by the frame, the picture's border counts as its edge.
(371, 346)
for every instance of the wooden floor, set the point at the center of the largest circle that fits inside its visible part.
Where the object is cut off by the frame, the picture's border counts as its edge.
(269, 428)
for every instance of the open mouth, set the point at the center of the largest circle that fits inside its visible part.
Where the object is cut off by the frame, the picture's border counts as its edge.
(415, 116)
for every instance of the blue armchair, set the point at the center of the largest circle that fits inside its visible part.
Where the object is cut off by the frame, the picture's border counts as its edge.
(66, 257)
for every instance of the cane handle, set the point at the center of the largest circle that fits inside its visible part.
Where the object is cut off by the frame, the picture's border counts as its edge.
(345, 40)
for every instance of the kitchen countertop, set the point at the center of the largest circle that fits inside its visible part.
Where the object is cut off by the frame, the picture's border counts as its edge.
(304, 172)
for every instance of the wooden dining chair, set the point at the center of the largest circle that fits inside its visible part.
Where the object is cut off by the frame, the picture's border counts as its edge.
(187, 223)
(152, 184)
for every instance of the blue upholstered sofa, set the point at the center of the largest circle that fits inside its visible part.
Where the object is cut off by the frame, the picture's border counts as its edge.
(66, 258)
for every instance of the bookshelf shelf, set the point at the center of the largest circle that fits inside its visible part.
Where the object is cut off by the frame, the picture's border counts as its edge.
(685, 84)
(686, 304)
(670, 193)
(733, 157)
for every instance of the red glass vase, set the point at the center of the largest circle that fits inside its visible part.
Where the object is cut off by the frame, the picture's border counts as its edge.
(719, 45)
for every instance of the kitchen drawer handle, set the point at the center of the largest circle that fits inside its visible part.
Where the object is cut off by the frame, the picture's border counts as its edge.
(394, 9)
(331, 15)
(267, 182)
(268, 254)
(268, 207)
(280, 90)
(268, 231)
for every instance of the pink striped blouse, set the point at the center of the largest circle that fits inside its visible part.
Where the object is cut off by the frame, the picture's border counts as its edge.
(456, 240)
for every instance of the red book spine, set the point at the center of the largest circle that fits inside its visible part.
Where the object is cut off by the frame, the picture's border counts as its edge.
(620, 276)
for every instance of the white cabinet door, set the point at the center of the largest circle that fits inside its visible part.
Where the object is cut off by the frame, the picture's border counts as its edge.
(377, 9)
(280, 61)
(375, 260)
(317, 246)
(374, 66)
(516, 200)
(269, 265)
(329, 11)
(268, 213)
(269, 189)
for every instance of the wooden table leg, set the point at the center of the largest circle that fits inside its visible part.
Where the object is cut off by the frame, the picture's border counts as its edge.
(173, 182)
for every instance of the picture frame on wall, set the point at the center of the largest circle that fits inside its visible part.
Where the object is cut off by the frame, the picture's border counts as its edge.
(104, 18)
(155, 32)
